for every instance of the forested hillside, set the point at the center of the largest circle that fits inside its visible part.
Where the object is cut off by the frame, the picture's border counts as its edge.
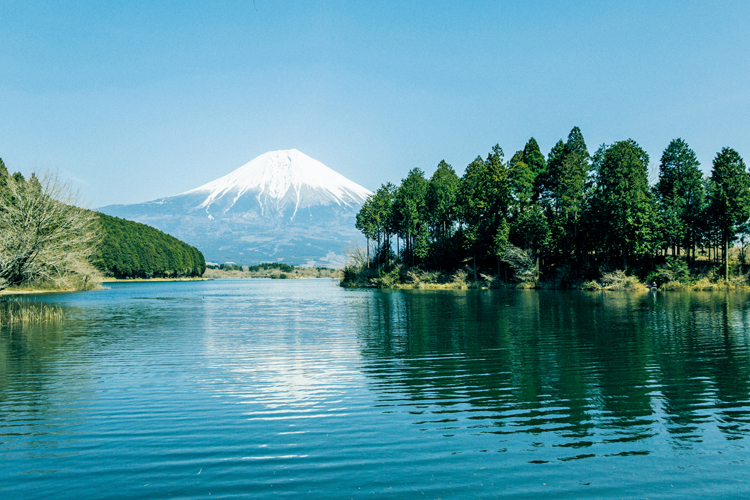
(133, 250)
(45, 239)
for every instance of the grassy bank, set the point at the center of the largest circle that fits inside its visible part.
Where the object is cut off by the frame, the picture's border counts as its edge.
(401, 277)
(71, 284)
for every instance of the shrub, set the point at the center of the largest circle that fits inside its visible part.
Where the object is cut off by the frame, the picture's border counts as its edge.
(591, 285)
(525, 267)
(618, 280)
(675, 269)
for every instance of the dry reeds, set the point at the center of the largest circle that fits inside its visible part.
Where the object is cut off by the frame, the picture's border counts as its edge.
(16, 312)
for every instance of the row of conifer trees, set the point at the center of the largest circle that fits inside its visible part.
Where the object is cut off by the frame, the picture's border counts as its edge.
(574, 212)
(132, 250)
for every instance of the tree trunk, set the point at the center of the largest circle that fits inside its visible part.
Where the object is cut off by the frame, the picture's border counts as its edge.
(726, 256)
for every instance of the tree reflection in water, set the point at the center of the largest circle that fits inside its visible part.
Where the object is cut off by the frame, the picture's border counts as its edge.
(572, 369)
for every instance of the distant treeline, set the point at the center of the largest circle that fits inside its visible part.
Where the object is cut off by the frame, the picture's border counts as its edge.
(253, 269)
(225, 267)
(284, 268)
(132, 250)
(572, 213)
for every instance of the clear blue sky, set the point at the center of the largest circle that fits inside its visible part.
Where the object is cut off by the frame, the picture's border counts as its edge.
(136, 100)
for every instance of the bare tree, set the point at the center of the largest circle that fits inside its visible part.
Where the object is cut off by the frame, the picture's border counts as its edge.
(44, 236)
(524, 265)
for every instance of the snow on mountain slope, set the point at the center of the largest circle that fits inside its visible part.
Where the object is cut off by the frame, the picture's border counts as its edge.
(281, 206)
(282, 179)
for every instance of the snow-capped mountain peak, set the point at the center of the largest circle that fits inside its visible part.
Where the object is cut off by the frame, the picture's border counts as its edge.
(281, 206)
(282, 178)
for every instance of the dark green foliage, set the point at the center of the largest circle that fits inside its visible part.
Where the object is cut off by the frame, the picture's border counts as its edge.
(410, 215)
(680, 196)
(572, 217)
(225, 267)
(563, 193)
(529, 229)
(440, 200)
(621, 219)
(286, 268)
(675, 269)
(376, 220)
(484, 202)
(729, 195)
(133, 250)
(442, 213)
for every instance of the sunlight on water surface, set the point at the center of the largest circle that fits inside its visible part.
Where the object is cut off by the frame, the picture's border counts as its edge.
(260, 388)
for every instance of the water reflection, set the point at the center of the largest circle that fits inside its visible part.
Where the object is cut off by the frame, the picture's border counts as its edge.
(580, 371)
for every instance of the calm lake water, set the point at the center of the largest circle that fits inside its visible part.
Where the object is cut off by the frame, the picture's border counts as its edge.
(298, 388)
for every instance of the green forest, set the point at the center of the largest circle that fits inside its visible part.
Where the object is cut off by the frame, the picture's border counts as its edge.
(47, 241)
(132, 250)
(563, 219)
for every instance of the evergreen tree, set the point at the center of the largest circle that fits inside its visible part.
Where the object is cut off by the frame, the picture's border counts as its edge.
(680, 195)
(533, 157)
(621, 215)
(440, 200)
(133, 250)
(410, 214)
(484, 200)
(729, 198)
(521, 180)
(375, 220)
(563, 191)
(528, 227)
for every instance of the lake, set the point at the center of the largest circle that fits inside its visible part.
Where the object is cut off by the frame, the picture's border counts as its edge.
(298, 388)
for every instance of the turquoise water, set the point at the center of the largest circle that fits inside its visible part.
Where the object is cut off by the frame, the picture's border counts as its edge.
(298, 388)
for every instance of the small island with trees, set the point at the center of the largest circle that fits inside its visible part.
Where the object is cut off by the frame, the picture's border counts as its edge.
(570, 220)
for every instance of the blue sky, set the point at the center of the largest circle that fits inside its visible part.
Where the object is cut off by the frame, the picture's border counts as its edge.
(133, 101)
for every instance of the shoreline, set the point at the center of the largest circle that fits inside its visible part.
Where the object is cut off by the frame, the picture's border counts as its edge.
(39, 291)
(637, 288)
(4, 293)
(151, 280)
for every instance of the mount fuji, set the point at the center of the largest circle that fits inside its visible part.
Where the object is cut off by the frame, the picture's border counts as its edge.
(282, 206)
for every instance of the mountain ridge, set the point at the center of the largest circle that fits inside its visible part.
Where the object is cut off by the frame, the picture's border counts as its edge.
(281, 206)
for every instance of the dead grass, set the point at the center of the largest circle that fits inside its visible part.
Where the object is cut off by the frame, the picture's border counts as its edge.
(17, 312)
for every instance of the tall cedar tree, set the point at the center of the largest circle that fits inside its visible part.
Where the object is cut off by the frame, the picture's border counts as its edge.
(484, 200)
(410, 215)
(680, 197)
(729, 198)
(562, 190)
(621, 216)
(375, 220)
(440, 201)
(528, 227)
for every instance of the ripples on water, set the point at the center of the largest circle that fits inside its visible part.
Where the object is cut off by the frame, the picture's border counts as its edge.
(298, 388)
